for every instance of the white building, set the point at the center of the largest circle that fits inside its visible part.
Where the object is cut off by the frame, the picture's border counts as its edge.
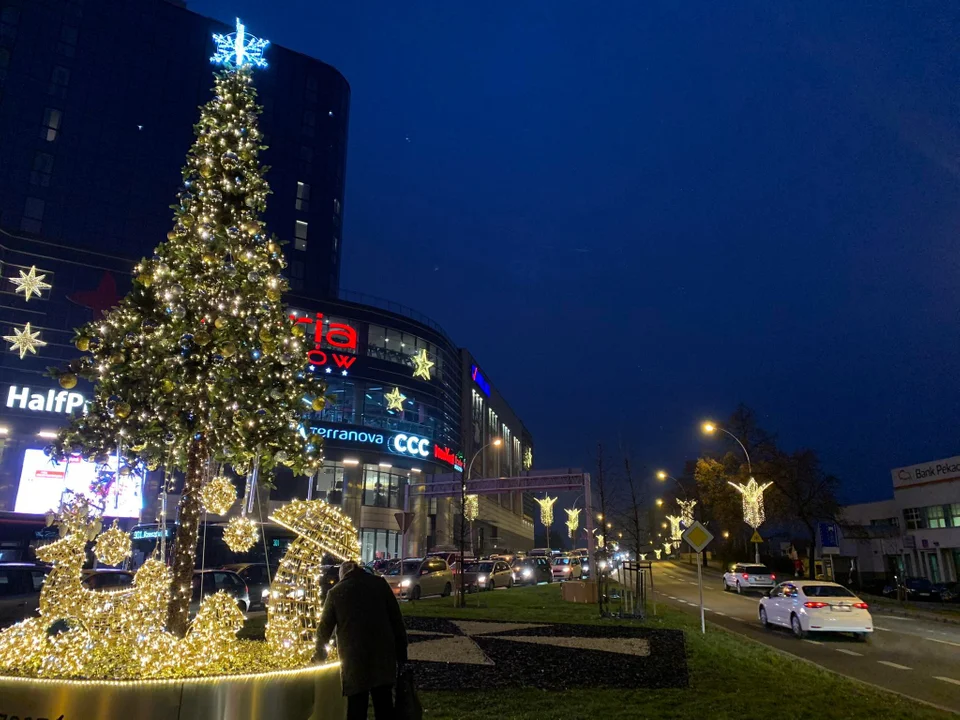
(916, 533)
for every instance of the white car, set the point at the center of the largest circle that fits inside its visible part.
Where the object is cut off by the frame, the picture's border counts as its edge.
(567, 568)
(814, 606)
(747, 577)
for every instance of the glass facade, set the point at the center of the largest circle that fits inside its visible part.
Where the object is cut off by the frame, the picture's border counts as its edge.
(378, 544)
(400, 347)
(383, 487)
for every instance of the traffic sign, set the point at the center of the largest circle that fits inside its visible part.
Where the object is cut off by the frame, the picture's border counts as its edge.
(404, 520)
(697, 536)
(756, 537)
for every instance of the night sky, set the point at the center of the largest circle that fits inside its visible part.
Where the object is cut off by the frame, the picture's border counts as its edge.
(638, 214)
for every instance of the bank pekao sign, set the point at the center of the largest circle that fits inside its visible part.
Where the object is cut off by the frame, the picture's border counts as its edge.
(936, 471)
(50, 401)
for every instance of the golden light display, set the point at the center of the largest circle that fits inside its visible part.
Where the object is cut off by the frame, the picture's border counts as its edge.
(120, 635)
(573, 521)
(114, 546)
(471, 508)
(675, 530)
(422, 365)
(218, 495)
(24, 341)
(241, 533)
(30, 284)
(752, 496)
(395, 400)
(546, 510)
(686, 511)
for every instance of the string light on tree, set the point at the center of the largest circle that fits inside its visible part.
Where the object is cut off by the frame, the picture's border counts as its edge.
(752, 496)
(199, 363)
(395, 399)
(24, 341)
(573, 521)
(422, 364)
(30, 284)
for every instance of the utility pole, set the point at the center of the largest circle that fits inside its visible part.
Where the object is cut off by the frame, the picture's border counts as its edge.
(601, 551)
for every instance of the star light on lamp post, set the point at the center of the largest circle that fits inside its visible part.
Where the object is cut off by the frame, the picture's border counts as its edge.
(25, 340)
(30, 284)
(422, 365)
(238, 49)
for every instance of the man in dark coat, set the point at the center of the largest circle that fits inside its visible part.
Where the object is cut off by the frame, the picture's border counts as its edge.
(371, 639)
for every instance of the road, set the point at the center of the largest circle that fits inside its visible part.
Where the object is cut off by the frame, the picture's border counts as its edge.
(917, 658)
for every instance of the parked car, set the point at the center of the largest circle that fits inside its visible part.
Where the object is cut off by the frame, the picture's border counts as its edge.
(20, 585)
(815, 606)
(207, 582)
(747, 577)
(567, 568)
(949, 592)
(487, 575)
(414, 578)
(453, 557)
(257, 578)
(107, 579)
(915, 588)
(532, 570)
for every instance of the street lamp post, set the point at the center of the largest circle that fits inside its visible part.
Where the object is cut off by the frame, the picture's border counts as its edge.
(663, 477)
(461, 595)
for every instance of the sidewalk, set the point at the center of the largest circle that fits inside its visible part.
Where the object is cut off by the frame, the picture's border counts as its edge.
(880, 604)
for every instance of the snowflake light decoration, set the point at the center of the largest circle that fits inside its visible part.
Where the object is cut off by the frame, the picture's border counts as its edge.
(30, 284)
(238, 49)
(24, 341)
(752, 495)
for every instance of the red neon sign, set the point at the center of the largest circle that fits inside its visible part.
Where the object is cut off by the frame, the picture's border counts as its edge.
(336, 335)
(446, 455)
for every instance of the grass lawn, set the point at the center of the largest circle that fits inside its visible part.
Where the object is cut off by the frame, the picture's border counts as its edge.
(730, 677)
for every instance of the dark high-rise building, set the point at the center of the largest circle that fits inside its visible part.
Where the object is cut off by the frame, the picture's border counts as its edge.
(97, 104)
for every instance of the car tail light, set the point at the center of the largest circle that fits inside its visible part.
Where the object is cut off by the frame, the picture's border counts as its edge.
(861, 606)
(772, 576)
(745, 576)
(815, 604)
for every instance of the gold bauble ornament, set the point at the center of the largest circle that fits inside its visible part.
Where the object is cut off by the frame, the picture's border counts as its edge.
(83, 344)
(228, 349)
(171, 236)
(268, 346)
(220, 323)
(264, 333)
(187, 220)
(68, 381)
(202, 338)
(116, 359)
(273, 294)
(113, 546)
(218, 495)
(317, 403)
(252, 228)
(206, 171)
(273, 247)
(241, 534)
(145, 279)
(208, 259)
(298, 330)
(167, 385)
(122, 410)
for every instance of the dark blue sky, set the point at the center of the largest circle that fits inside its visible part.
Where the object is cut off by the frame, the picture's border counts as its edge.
(639, 214)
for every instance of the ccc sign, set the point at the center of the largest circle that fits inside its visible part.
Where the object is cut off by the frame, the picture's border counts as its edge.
(404, 444)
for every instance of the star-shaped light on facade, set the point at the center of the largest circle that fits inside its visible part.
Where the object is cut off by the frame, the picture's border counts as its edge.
(30, 284)
(237, 49)
(25, 340)
(395, 399)
(422, 365)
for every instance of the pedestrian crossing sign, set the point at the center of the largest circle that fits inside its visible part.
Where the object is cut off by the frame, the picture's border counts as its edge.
(756, 537)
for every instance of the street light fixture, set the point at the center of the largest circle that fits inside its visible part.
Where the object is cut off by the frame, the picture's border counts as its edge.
(461, 595)
(726, 534)
(710, 427)
(659, 502)
(662, 476)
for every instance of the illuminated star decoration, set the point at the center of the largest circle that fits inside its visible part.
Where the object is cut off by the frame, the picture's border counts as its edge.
(546, 510)
(527, 459)
(25, 341)
(657, 553)
(422, 365)
(686, 512)
(573, 521)
(675, 526)
(395, 399)
(238, 49)
(30, 284)
(752, 493)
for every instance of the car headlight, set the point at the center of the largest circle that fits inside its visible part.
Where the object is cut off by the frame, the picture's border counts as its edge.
(265, 593)
(482, 579)
(527, 572)
(404, 583)
(566, 569)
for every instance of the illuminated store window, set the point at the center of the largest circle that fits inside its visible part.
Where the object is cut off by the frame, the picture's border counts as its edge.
(377, 544)
(936, 517)
(382, 487)
(329, 483)
(300, 235)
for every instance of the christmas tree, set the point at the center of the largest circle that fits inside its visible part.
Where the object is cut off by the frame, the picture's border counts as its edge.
(200, 363)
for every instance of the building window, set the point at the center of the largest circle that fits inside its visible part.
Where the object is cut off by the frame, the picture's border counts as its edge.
(300, 235)
(303, 197)
(32, 215)
(381, 487)
(310, 94)
(42, 168)
(378, 544)
(59, 80)
(9, 17)
(68, 41)
(936, 517)
(296, 275)
(955, 518)
(329, 483)
(51, 124)
(309, 122)
(913, 519)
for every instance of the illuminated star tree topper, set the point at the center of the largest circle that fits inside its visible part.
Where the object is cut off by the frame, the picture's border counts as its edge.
(752, 495)
(238, 49)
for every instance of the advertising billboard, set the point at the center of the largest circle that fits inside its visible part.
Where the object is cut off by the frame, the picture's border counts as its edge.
(44, 482)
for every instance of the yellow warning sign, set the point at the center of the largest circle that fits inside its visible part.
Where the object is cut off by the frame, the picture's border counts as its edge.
(756, 537)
